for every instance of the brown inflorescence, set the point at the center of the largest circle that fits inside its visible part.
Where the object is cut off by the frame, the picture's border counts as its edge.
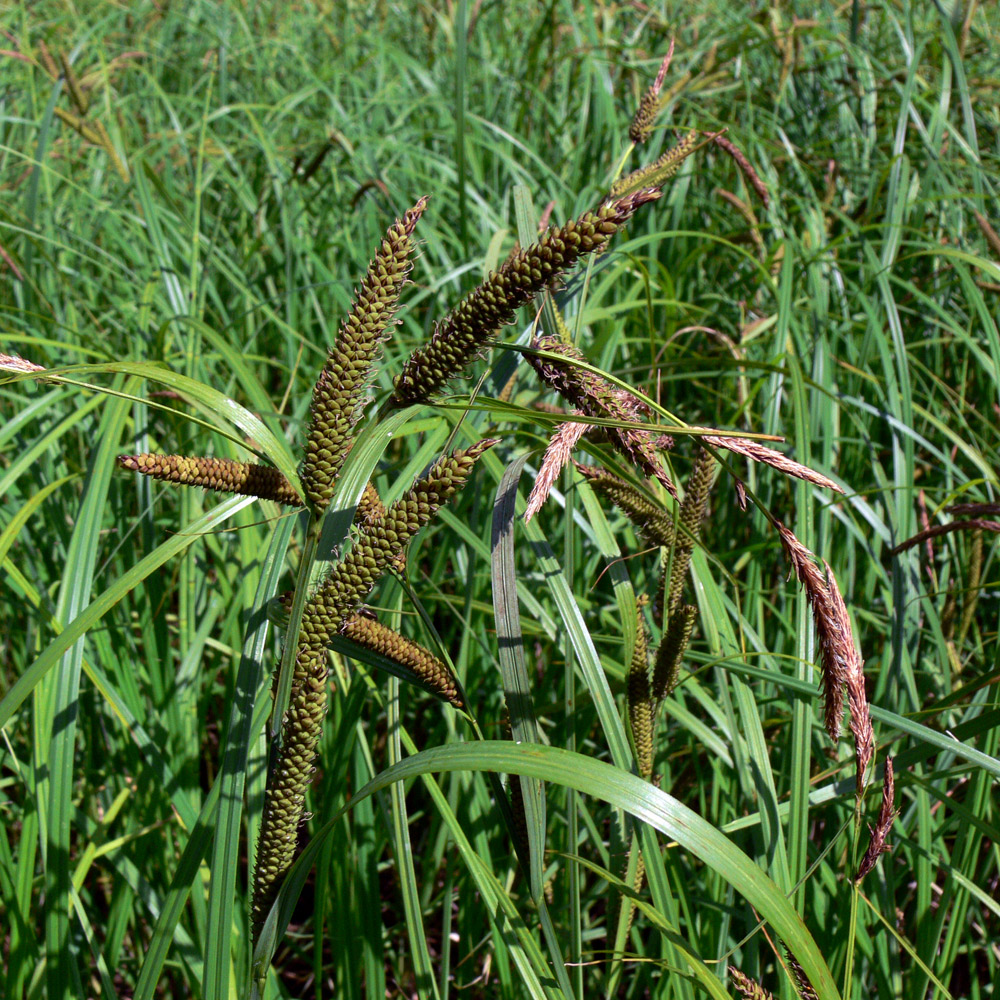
(593, 395)
(649, 104)
(640, 703)
(761, 453)
(473, 323)
(694, 507)
(561, 445)
(339, 391)
(748, 988)
(225, 475)
(880, 832)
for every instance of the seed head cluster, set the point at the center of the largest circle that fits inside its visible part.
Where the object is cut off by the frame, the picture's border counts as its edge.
(473, 323)
(339, 392)
(224, 475)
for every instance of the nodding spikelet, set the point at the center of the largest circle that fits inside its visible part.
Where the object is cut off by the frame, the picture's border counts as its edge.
(336, 599)
(564, 440)
(694, 507)
(640, 702)
(748, 988)
(839, 658)
(760, 453)
(472, 324)
(655, 174)
(224, 475)
(649, 104)
(654, 525)
(669, 653)
(936, 530)
(883, 825)
(339, 391)
(739, 158)
(596, 397)
(422, 663)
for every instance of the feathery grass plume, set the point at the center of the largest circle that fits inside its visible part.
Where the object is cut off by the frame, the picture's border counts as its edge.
(224, 475)
(366, 631)
(880, 832)
(803, 987)
(336, 599)
(660, 170)
(640, 703)
(759, 453)
(935, 530)
(650, 520)
(564, 440)
(649, 104)
(748, 988)
(13, 363)
(339, 391)
(596, 397)
(472, 324)
(694, 507)
(739, 158)
(671, 649)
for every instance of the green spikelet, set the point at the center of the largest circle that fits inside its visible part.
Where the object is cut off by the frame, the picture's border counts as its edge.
(650, 520)
(659, 171)
(225, 475)
(339, 392)
(324, 613)
(640, 703)
(693, 509)
(379, 638)
(671, 649)
(472, 324)
(596, 397)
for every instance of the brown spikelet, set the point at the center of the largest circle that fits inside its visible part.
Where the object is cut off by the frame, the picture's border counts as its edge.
(339, 391)
(974, 509)
(564, 440)
(671, 650)
(649, 103)
(379, 638)
(748, 988)
(224, 475)
(834, 651)
(694, 507)
(655, 174)
(472, 324)
(651, 521)
(936, 530)
(596, 397)
(880, 832)
(640, 704)
(739, 158)
(370, 509)
(336, 599)
(759, 453)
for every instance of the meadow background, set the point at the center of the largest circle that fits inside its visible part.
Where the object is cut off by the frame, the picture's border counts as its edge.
(204, 189)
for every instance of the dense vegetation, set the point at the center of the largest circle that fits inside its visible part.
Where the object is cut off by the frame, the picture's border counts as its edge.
(190, 194)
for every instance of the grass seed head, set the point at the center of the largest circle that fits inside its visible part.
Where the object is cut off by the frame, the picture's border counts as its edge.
(224, 475)
(339, 391)
(471, 326)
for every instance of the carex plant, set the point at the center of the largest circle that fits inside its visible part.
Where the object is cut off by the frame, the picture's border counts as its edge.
(667, 517)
